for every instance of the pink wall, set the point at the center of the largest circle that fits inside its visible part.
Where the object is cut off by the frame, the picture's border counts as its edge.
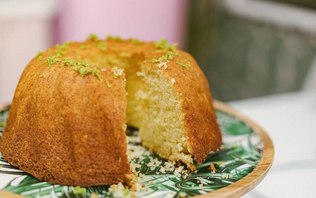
(143, 19)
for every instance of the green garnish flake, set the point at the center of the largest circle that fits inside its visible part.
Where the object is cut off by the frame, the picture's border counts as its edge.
(61, 47)
(68, 62)
(114, 38)
(52, 60)
(85, 70)
(165, 45)
(155, 60)
(58, 54)
(102, 46)
(168, 56)
(83, 47)
(80, 66)
(184, 65)
(93, 37)
(136, 41)
(39, 55)
(79, 190)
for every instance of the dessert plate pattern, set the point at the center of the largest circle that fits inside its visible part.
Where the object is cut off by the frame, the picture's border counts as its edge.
(244, 159)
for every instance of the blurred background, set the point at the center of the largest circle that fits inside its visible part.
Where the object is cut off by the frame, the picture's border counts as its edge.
(247, 48)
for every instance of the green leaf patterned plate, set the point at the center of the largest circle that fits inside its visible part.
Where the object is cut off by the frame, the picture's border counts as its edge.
(245, 158)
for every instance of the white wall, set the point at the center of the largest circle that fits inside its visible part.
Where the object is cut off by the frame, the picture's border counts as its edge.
(25, 29)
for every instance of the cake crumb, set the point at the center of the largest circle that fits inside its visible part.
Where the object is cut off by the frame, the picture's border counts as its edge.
(173, 81)
(182, 194)
(140, 74)
(163, 65)
(117, 72)
(118, 190)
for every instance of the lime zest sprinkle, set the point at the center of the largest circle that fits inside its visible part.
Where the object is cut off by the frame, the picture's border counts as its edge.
(80, 66)
(86, 70)
(184, 65)
(79, 190)
(136, 41)
(114, 38)
(93, 37)
(102, 46)
(168, 56)
(53, 59)
(165, 45)
(39, 55)
(83, 47)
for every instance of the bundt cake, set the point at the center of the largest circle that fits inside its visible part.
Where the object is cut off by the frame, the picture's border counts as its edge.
(73, 102)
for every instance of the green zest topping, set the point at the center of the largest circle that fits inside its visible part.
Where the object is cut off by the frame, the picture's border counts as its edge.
(79, 190)
(54, 59)
(83, 70)
(51, 61)
(83, 47)
(165, 45)
(93, 37)
(114, 38)
(39, 55)
(80, 66)
(102, 46)
(168, 56)
(136, 41)
(59, 49)
(184, 65)
(69, 62)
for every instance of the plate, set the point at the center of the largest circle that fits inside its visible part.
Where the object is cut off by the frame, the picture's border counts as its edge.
(245, 158)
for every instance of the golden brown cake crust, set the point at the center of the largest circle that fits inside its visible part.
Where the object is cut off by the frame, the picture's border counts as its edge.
(199, 115)
(68, 129)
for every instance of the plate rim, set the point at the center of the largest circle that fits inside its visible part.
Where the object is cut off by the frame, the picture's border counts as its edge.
(243, 185)
(251, 180)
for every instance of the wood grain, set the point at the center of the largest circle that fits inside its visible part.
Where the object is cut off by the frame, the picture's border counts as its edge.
(240, 187)
(5, 194)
